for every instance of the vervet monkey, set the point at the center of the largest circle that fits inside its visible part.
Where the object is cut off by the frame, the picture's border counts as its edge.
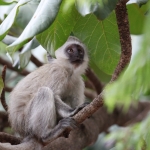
(50, 93)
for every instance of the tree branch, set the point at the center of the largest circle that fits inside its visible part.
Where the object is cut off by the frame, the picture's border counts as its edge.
(88, 133)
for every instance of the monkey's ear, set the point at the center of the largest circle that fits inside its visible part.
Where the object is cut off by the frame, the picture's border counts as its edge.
(49, 58)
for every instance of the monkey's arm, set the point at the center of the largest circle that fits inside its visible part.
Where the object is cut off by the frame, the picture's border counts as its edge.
(64, 110)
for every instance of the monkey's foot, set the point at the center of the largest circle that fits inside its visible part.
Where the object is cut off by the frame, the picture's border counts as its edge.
(67, 124)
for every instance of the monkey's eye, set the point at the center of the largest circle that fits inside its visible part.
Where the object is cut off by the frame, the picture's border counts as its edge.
(70, 50)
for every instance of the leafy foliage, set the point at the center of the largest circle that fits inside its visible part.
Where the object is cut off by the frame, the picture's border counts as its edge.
(69, 21)
(5, 26)
(136, 136)
(58, 32)
(87, 29)
(104, 51)
(42, 18)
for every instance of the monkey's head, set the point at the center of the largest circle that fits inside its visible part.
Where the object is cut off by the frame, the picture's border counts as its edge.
(75, 53)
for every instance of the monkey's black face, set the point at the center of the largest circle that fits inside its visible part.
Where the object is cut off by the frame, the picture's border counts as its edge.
(75, 53)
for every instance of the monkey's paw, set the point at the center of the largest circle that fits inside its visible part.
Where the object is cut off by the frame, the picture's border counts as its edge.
(79, 108)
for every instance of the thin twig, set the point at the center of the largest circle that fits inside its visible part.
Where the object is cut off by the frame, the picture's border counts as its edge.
(89, 85)
(36, 61)
(9, 65)
(90, 94)
(94, 79)
(8, 89)
(3, 101)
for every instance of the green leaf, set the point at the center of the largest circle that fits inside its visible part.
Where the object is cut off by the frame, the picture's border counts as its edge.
(8, 22)
(9, 39)
(2, 47)
(1, 85)
(142, 2)
(103, 77)
(24, 56)
(58, 32)
(135, 81)
(136, 19)
(101, 39)
(41, 20)
(3, 2)
(29, 9)
(145, 8)
(101, 8)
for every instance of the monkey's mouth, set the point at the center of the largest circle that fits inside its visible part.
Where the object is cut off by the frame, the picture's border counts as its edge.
(77, 61)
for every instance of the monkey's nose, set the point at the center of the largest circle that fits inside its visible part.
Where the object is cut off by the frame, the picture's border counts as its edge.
(79, 58)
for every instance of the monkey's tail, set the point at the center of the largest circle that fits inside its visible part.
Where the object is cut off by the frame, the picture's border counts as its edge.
(2, 97)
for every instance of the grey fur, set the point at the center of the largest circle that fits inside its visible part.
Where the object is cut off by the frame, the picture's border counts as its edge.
(49, 93)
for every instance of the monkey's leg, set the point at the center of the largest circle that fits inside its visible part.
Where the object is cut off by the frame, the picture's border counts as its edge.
(42, 112)
(63, 128)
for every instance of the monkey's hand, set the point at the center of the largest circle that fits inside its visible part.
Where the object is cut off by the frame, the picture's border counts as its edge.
(76, 110)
